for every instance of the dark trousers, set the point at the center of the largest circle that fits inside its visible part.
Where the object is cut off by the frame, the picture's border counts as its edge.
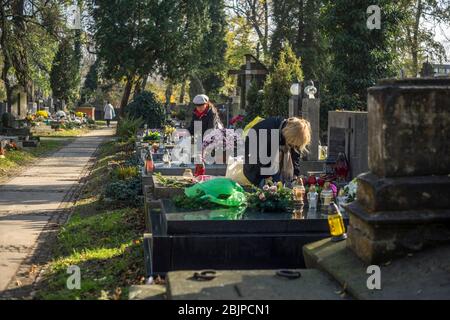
(108, 122)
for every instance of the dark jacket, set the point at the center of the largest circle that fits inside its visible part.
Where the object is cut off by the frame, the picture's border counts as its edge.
(210, 120)
(253, 171)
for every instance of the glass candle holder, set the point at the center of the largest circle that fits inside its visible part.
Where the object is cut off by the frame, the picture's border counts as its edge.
(312, 199)
(299, 193)
(326, 198)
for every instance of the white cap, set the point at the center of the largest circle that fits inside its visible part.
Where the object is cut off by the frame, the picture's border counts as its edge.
(201, 99)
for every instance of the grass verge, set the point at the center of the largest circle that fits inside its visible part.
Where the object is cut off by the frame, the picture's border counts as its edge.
(66, 133)
(104, 241)
(16, 159)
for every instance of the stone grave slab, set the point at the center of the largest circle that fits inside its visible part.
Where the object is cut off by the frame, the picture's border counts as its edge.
(233, 239)
(419, 276)
(252, 285)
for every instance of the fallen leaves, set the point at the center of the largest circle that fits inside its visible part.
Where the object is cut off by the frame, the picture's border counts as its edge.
(33, 270)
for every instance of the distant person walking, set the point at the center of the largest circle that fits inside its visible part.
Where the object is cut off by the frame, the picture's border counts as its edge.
(109, 113)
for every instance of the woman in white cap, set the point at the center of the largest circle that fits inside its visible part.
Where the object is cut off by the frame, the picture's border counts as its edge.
(206, 113)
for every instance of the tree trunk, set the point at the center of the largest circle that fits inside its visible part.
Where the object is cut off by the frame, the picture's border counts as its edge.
(126, 95)
(169, 91)
(6, 59)
(144, 82)
(415, 44)
(137, 88)
(266, 30)
(183, 92)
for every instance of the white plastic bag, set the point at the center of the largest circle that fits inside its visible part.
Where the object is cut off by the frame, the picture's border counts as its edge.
(235, 171)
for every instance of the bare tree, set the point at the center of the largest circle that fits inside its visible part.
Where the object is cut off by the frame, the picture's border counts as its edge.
(257, 13)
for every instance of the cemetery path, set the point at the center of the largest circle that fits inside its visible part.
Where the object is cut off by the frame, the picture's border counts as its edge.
(31, 201)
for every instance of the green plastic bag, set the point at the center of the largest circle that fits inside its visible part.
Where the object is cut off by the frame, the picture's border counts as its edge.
(221, 191)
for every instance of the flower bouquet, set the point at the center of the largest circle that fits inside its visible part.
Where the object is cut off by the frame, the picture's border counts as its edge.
(350, 190)
(41, 115)
(221, 140)
(271, 198)
(169, 130)
(152, 136)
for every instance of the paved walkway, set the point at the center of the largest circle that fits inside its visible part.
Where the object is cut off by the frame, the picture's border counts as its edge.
(27, 202)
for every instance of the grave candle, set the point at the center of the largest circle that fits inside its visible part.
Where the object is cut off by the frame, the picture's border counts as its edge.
(336, 223)
(299, 191)
(149, 165)
(326, 196)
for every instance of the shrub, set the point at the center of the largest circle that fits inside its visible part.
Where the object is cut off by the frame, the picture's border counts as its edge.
(147, 107)
(255, 100)
(70, 125)
(125, 172)
(180, 115)
(126, 192)
(128, 128)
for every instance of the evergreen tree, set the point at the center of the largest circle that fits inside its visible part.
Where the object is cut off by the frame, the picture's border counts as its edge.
(134, 37)
(360, 56)
(277, 87)
(64, 76)
(90, 83)
(255, 99)
(299, 23)
(213, 48)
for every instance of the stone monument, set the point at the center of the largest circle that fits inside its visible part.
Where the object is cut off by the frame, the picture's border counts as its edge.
(403, 202)
(400, 222)
(348, 134)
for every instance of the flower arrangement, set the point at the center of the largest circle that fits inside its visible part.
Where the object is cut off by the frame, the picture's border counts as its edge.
(153, 136)
(350, 190)
(169, 130)
(10, 146)
(42, 114)
(220, 139)
(271, 198)
(187, 203)
(173, 183)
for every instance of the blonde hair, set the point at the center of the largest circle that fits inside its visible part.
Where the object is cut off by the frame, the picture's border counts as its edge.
(297, 133)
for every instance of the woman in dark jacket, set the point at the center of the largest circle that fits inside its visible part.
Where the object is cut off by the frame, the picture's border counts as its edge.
(206, 113)
(294, 137)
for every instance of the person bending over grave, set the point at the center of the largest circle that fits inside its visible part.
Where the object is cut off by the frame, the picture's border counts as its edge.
(281, 159)
(206, 113)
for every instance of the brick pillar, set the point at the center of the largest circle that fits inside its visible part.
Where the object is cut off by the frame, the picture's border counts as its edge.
(404, 201)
